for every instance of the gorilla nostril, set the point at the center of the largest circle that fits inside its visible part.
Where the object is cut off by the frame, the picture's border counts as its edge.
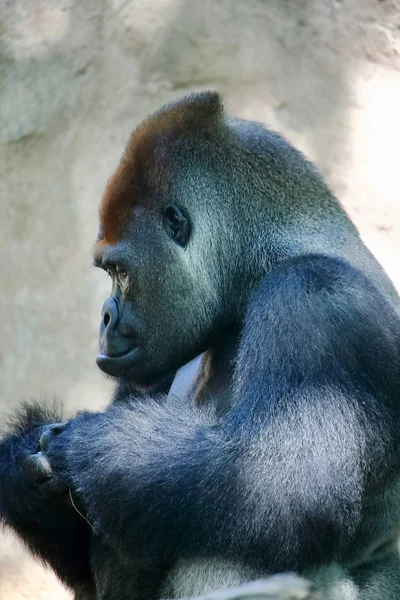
(110, 314)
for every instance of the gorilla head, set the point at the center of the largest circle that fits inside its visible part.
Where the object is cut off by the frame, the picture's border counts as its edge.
(174, 223)
(157, 244)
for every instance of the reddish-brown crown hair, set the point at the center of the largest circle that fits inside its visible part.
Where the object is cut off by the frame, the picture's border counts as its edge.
(129, 183)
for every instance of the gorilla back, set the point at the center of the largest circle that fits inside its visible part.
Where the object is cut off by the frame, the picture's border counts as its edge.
(283, 451)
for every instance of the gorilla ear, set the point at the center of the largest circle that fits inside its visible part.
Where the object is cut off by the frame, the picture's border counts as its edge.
(177, 225)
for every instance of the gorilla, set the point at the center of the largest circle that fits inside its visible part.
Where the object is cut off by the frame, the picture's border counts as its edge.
(278, 447)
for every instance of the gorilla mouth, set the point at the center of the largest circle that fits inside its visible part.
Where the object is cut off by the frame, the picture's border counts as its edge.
(117, 365)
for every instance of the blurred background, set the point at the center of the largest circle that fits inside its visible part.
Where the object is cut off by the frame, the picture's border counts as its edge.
(76, 76)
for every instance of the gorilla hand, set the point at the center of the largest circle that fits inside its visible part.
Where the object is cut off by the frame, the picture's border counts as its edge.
(34, 501)
(37, 467)
(25, 472)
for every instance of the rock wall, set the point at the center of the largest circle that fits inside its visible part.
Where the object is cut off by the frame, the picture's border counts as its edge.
(76, 77)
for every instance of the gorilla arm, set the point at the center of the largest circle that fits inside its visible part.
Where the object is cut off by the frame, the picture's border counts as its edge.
(35, 504)
(279, 481)
(160, 482)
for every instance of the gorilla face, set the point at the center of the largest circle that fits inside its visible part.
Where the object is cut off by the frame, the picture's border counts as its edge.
(158, 316)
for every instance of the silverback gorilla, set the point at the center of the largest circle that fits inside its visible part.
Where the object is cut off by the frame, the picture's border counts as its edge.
(280, 448)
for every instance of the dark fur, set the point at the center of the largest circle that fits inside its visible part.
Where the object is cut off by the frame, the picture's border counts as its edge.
(291, 459)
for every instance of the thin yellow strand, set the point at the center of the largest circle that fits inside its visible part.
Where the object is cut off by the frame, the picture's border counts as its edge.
(79, 512)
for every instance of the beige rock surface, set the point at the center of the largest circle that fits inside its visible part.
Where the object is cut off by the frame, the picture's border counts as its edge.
(76, 77)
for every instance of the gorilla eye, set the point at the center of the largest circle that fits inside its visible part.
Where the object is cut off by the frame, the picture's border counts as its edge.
(177, 225)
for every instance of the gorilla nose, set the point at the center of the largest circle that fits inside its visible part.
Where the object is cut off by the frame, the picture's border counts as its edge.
(110, 314)
(114, 340)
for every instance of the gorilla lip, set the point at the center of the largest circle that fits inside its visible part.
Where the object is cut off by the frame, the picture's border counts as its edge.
(115, 364)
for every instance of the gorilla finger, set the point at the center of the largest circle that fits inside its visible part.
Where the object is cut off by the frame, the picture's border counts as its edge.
(50, 432)
(37, 467)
